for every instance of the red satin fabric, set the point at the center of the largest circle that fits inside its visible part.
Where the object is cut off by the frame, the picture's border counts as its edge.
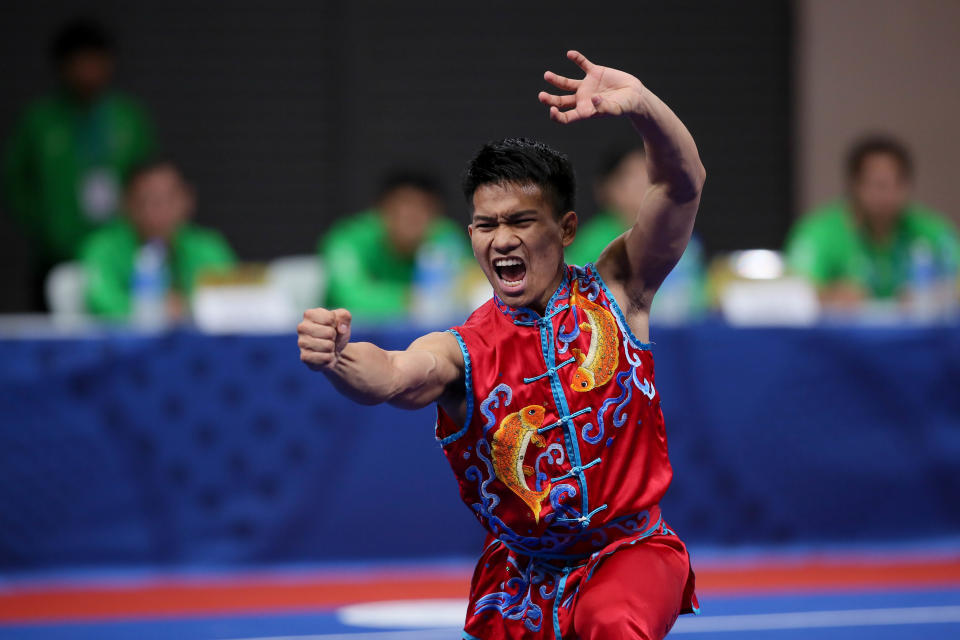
(564, 461)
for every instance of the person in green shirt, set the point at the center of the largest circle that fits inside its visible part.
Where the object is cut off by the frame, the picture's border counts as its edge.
(868, 245)
(622, 182)
(159, 204)
(70, 152)
(371, 257)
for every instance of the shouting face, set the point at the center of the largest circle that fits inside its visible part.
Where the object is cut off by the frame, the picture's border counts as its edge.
(518, 241)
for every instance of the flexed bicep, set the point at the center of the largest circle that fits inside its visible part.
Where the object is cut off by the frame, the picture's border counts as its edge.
(659, 236)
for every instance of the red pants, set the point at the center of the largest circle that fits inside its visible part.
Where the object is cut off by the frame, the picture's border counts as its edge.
(636, 593)
(630, 591)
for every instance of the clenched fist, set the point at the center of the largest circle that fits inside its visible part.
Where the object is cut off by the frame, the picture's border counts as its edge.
(322, 335)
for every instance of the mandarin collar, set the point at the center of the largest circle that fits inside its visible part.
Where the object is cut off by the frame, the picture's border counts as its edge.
(525, 316)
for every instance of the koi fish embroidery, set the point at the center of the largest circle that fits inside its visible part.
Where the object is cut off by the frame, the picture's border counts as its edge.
(510, 442)
(597, 366)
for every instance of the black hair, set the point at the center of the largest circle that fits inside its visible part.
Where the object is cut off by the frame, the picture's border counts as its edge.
(521, 161)
(149, 165)
(81, 34)
(613, 158)
(878, 144)
(400, 178)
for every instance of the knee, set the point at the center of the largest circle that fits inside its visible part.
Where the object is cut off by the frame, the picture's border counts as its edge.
(608, 621)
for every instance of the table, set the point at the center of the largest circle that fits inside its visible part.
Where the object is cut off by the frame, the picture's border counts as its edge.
(189, 449)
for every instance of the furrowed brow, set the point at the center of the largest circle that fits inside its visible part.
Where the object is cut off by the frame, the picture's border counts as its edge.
(516, 215)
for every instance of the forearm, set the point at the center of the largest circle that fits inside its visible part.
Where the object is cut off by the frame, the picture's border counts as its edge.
(672, 157)
(367, 374)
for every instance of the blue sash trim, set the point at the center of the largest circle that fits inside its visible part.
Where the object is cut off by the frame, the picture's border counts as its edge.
(642, 536)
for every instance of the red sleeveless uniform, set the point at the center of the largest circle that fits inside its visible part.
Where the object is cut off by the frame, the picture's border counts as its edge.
(563, 459)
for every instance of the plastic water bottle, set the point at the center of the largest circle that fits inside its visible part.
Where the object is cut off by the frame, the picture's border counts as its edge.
(923, 302)
(434, 299)
(149, 288)
(949, 292)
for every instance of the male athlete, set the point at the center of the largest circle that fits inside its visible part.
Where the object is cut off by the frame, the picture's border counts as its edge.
(547, 410)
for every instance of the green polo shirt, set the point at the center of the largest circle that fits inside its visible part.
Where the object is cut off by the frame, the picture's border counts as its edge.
(109, 255)
(593, 237)
(364, 272)
(65, 164)
(828, 246)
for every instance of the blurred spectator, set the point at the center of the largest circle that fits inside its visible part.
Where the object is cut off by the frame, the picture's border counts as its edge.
(378, 258)
(147, 262)
(622, 183)
(70, 151)
(876, 242)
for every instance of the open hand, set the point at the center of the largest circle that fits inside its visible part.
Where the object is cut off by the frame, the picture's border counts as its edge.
(322, 335)
(602, 92)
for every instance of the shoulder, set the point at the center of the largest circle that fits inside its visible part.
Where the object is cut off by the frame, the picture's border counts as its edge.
(197, 233)
(603, 223)
(830, 216)
(927, 220)
(444, 226)
(593, 237)
(39, 110)
(480, 328)
(109, 238)
(203, 236)
(125, 103)
(827, 226)
(480, 319)
(365, 225)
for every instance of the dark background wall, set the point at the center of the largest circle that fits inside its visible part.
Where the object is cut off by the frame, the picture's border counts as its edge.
(284, 114)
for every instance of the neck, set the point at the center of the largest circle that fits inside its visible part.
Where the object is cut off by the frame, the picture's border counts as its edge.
(540, 306)
(878, 230)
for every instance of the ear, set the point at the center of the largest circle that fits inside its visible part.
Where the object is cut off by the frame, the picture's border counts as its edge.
(568, 228)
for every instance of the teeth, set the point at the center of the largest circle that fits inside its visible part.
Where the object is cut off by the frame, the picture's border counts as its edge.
(506, 262)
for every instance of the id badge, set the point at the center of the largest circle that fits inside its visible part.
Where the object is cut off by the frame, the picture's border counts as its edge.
(99, 194)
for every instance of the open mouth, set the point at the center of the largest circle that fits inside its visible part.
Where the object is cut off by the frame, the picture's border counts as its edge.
(510, 271)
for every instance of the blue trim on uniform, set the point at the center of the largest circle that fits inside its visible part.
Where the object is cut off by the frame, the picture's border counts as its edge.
(566, 557)
(466, 636)
(575, 470)
(564, 419)
(556, 603)
(643, 346)
(642, 536)
(563, 409)
(584, 521)
(526, 312)
(468, 378)
(548, 372)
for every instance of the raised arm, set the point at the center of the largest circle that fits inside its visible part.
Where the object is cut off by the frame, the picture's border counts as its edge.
(640, 259)
(426, 372)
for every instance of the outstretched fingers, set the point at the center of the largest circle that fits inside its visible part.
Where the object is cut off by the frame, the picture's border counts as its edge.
(565, 117)
(580, 60)
(564, 102)
(561, 82)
